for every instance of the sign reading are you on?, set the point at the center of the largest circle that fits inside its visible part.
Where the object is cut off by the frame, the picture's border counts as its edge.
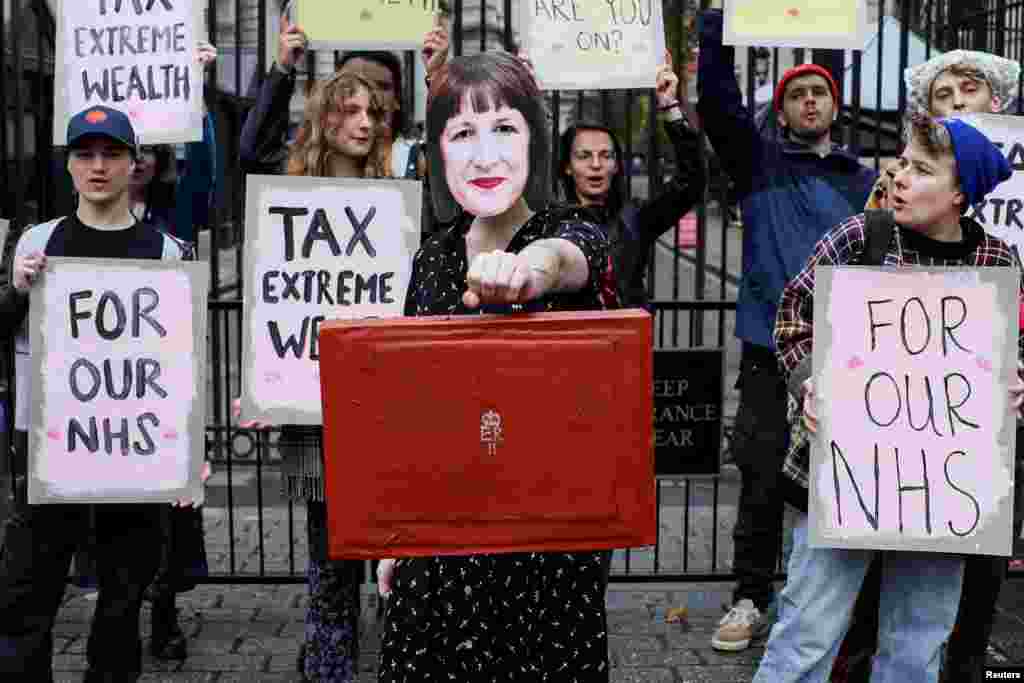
(916, 432)
(118, 381)
(317, 249)
(137, 56)
(593, 44)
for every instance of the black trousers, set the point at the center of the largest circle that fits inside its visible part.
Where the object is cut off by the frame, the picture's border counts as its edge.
(759, 445)
(965, 651)
(39, 542)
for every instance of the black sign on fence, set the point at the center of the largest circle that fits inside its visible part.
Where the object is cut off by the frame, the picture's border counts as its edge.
(688, 397)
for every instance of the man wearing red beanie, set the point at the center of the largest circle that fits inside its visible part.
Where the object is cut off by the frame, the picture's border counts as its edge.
(792, 188)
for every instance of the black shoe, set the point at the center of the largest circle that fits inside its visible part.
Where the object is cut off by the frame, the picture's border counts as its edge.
(167, 640)
(300, 660)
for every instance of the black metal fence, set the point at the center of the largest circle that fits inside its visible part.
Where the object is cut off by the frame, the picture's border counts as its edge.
(248, 522)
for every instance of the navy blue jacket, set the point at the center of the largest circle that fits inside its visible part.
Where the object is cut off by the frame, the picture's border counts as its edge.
(790, 196)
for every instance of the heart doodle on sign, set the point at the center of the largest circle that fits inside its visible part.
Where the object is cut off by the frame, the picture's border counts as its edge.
(171, 435)
(793, 12)
(854, 363)
(984, 363)
(53, 434)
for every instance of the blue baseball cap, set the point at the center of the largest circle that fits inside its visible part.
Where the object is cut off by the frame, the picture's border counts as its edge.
(103, 121)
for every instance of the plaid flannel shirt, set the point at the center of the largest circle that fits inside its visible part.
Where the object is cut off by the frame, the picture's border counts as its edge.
(794, 324)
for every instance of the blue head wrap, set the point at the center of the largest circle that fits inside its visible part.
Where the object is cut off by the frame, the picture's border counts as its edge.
(980, 164)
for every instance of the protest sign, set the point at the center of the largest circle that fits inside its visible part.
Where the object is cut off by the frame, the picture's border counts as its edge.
(118, 380)
(366, 24)
(1002, 211)
(138, 56)
(593, 44)
(688, 411)
(317, 249)
(916, 431)
(826, 24)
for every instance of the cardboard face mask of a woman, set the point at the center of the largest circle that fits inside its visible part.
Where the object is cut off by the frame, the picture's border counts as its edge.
(487, 137)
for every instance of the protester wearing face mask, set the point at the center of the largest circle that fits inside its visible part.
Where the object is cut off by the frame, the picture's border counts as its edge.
(517, 616)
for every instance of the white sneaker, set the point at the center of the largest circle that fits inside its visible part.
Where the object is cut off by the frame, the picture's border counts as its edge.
(736, 629)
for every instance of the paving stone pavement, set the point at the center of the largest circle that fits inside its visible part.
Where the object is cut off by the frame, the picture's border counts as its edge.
(252, 634)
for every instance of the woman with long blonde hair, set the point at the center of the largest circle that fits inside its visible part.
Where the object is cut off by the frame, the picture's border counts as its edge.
(339, 138)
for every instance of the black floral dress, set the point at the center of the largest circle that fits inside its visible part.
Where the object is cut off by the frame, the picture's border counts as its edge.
(519, 617)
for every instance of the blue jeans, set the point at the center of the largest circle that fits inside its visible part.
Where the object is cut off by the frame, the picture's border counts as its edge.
(919, 600)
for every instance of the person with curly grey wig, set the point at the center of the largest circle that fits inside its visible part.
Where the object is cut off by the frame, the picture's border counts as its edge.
(961, 82)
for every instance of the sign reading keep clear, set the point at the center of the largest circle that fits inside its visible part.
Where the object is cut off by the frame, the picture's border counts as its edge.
(317, 249)
(916, 431)
(594, 44)
(117, 382)
(138, 56)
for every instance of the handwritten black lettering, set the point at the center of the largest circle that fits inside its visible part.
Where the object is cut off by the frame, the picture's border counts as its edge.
(965, 494)
(926, 487)
(867, 399)
(837, 455)
(947, 330)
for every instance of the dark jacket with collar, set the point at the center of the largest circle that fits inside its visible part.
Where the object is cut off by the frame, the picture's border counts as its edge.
(790, 196)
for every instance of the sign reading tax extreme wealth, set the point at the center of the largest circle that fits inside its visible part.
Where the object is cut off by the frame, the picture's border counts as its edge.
(117, 382)
(916, 431)
(138, 56)
(317, 249)
(593, 44)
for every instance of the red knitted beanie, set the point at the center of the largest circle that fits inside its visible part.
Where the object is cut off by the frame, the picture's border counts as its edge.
(805, 70)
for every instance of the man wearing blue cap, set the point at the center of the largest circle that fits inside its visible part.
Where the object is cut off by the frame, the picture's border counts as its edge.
(39, 540)
(947, 166)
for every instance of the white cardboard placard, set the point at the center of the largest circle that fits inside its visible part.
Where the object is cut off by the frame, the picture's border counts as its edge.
(594, 44)
(118, 380)
(316, 249)
(916, 432)
(137, 56)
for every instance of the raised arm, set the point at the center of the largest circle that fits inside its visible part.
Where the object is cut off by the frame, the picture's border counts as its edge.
(262, 147)
(687, 187)
(684, 191)
(727, 122)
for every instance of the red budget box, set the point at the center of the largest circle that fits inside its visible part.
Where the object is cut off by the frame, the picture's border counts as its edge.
(474, 434)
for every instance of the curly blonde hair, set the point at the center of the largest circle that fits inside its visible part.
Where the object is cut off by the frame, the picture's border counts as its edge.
(311, 154)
